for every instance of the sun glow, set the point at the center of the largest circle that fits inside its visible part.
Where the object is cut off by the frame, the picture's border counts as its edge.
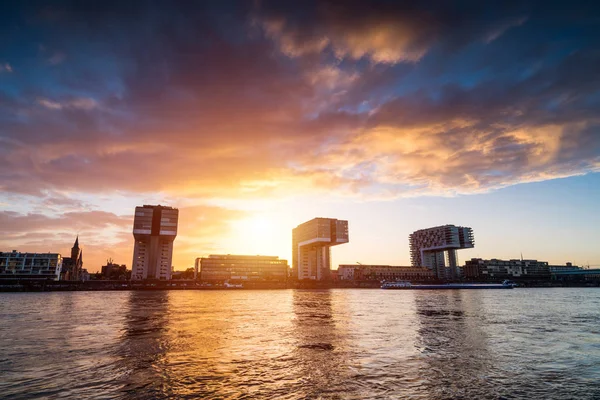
(257, 226)
(260, 234)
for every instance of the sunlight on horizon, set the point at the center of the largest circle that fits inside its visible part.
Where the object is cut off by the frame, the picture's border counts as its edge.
(260, 234)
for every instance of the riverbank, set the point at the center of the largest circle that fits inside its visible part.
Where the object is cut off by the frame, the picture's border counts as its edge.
(64, 286)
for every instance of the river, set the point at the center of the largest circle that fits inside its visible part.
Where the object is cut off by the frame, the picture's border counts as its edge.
(296, 344)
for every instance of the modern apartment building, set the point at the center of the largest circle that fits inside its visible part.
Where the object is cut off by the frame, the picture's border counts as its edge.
(15, 265)
(435, 248)
(363, 272)
(240, 268)
(154, 230)
(311, 244)
(497, 270)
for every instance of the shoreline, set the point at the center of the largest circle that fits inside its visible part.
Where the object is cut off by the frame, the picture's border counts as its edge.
(94, 286)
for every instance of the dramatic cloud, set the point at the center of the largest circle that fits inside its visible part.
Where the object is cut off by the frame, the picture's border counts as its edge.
(382, 31)
(255, 100)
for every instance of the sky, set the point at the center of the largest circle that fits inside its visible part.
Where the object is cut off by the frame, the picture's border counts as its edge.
(252, 117)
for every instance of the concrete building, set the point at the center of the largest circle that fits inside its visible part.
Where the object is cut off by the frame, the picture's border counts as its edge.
(154, 230)
(563, 268)
(497, 270)
(197, 267)
(578, 275)
(15, 265)
(311, 244)
(363, 272)
(219, 268)
(435, 248)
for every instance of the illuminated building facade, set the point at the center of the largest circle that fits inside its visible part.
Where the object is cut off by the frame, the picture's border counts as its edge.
(240, 268)
(435, 248)
(154, 231)
(15, 265)
(311, 244)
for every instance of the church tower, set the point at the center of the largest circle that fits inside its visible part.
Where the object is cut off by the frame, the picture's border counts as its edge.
(76, 261)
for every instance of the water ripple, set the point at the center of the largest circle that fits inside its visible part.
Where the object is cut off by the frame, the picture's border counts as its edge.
(319, 344)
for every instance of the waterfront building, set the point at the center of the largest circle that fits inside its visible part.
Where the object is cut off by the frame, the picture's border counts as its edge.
(72, 268)
(219, 268)
(16, 265)
(580, 274)
(311, 244)
(197, 267)
(114, 271)
(363, 272)
(85, 275)
(435, 248)
(494, 269)
(154, 231)
(563, 268)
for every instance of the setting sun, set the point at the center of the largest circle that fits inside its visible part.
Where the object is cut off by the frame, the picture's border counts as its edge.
(260, 233)
(258, 225)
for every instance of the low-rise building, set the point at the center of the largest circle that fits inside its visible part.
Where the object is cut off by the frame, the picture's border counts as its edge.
(383, 272)
(580, 274)
(16, 265)
(241, 268)
(563, 268)
(114, 271)
(494, 269)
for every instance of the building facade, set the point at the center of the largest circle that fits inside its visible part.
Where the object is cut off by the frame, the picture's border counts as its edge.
(563, 268)
(435, 248)
(383, 272)
(218, 268)
(15, 265)
(114, 271)
(497, 270)
(154, 231)
(311, 244)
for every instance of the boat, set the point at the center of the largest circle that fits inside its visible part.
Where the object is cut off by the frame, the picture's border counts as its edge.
(405, 285)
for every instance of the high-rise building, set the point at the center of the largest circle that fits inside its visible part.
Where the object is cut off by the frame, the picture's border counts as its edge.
(241, 269)
(435, 248)
(311, 243)
(154, 230)
(15, 265)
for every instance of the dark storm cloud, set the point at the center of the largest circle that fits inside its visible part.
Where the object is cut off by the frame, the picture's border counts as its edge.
(216, 98)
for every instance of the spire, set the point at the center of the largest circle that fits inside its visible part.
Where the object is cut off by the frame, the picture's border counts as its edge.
(76, 241)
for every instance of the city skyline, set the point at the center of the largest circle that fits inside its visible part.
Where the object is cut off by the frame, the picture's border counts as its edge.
(253, 117)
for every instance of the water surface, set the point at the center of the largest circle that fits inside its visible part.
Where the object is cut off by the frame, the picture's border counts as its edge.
(292, 344)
